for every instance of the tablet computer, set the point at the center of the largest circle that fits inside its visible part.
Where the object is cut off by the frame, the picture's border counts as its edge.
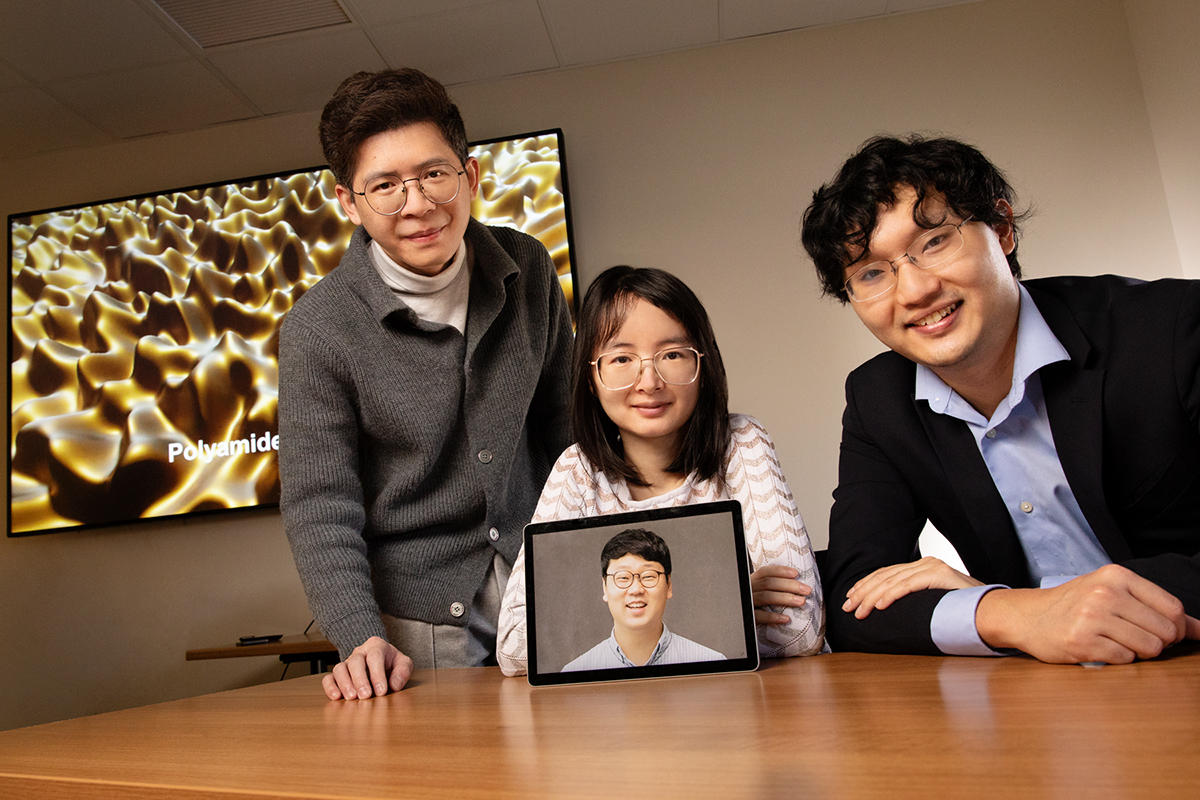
(644, 594)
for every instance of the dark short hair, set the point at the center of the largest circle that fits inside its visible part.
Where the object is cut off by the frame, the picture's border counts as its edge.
(838, 225)
(605, 306)
(369, 103)
(646, 545)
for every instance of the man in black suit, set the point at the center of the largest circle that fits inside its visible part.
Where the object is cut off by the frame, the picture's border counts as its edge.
(1050, 429)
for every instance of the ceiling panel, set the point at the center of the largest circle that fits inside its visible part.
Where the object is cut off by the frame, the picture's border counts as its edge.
(470, 44)
(741, 18)
(34, 122)
(167, 97)
(368, 11)
(49, 41)
(590, 31)
(299, 72)
(212, 23)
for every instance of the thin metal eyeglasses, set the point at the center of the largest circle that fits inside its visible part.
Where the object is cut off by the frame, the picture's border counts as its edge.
(677, 366)
(930, 249)
(387, 194)
(623, 579)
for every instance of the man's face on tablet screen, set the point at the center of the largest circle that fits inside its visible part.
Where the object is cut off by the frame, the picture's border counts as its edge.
(636, 607)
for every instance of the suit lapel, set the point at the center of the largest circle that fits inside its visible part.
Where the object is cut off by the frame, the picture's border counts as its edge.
(1075, 404)
(995, 552)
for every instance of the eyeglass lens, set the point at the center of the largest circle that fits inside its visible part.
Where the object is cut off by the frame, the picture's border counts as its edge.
(386, 193)
(677, 366)
(624, 580)
(929, 250)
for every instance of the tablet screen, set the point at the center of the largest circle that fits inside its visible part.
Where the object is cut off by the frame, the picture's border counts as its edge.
(643, 594)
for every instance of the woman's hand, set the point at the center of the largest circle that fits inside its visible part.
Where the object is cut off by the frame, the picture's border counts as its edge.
(885, 586)
(776, 585)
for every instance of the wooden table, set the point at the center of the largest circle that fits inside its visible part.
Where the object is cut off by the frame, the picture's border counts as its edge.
(314, 648)
(839, 726)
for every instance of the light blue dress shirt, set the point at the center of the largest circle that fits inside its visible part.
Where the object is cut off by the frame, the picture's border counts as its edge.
(1018, 448)
(671, 649)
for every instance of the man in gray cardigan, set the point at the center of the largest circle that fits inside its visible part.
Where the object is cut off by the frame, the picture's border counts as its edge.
(422, 391)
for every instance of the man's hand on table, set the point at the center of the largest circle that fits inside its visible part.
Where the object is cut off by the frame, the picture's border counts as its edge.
(372, 669)
(1111, 615)
(887, 585)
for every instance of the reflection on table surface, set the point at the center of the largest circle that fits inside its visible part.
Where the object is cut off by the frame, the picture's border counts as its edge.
(843, 725)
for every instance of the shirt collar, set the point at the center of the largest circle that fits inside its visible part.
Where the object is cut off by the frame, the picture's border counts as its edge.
(664, 641)
(1037, 346)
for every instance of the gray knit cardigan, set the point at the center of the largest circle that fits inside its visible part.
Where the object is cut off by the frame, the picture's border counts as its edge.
(409, 454)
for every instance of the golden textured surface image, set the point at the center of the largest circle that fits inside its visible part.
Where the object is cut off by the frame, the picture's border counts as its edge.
(144, 334)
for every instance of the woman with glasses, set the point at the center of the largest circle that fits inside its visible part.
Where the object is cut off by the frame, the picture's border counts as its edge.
(649, 415)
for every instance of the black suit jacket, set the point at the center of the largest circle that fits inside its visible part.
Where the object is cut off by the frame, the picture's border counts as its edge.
(1125, 414)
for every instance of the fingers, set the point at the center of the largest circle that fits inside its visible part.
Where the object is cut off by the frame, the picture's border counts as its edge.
(887, 585)
(776, 585)
(1159, 600)
(371, 670)
(1191, 628)
(763, 616)
(377, 674)
(1110, 615)
(401, 671)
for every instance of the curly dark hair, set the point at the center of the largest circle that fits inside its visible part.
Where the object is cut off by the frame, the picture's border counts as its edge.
(368, 103)
(646, 545)
(605, 306)
(839, 222)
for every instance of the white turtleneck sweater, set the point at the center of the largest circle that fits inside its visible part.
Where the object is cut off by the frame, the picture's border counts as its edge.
(441, 298)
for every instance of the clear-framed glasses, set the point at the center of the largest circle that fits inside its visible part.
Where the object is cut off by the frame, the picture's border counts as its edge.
(677, 366)
(930, 249)
(624, 578)
(386, 194)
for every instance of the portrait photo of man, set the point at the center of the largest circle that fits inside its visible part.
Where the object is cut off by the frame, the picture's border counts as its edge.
(635, 570)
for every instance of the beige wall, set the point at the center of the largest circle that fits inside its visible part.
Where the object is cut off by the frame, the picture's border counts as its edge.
(698, 162)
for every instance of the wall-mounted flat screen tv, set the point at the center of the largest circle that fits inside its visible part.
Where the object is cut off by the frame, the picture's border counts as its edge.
(144, 333)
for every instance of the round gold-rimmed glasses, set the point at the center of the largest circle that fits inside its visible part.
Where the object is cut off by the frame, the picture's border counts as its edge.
(387, 194)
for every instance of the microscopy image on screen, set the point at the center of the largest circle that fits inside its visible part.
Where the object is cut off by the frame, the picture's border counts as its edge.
(144, 333)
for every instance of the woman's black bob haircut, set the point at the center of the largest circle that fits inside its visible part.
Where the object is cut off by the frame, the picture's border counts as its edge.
(837, 226)
(605, 306)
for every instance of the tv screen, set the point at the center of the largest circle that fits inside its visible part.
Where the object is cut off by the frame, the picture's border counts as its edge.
(144, 333)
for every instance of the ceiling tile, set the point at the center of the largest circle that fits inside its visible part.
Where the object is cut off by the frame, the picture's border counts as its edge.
(913, 5)
(212, 23)
(368, 11)
(50, 41)
(10, 79)
(478, 43)
(168, 97)
(590, 31)
(296, 73)
(34, 122)
(741, 18)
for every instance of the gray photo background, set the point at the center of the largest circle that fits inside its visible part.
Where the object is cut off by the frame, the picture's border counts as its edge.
(705, 607)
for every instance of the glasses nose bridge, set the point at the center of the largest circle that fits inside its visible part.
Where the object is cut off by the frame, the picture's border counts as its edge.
(919, 281)
(408, 196)
(654, 373)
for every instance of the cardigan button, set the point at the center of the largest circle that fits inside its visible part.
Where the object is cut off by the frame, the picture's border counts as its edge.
(457, 609)
(485, 456)
(494, 535)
